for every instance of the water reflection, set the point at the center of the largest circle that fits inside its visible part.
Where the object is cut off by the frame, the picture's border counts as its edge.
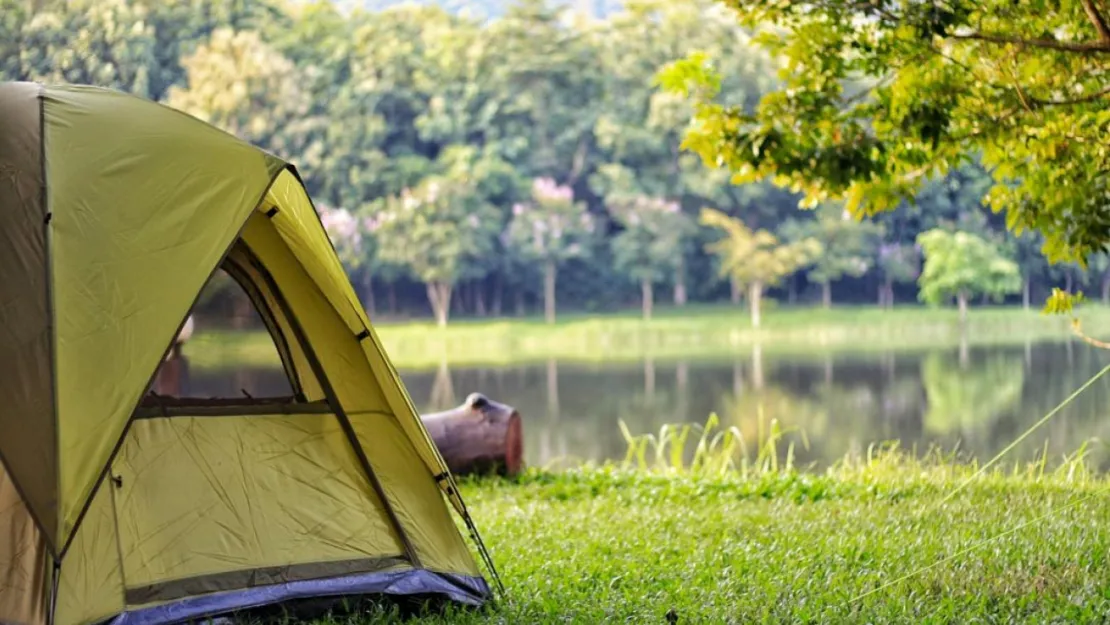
(978, 398)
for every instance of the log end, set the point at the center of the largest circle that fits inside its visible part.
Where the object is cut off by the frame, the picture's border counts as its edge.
(514, 445)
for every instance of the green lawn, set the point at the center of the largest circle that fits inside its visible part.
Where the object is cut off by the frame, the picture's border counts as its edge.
(693, 332)
(606, 546)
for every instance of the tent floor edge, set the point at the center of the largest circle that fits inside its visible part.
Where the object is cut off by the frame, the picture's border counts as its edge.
(415, 583)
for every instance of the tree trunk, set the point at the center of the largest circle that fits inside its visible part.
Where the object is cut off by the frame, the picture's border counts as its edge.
(368, 284)
(1025, 293)
(757, 366)
(882, 295)
(549, 272)
(680, 283)
(889, 293)
(826, 294)
(519, 294)
(961, 302)
(242, 310)
(1106, 288)
(734, 288)
(647, 298)
(755, 295)
(456, 303)
(439, 296)
(1067, 281)
(172, 377)
(480, 298)
(682, 384)
(552, 389)
(392, 295)
(481, 436)
(498, 292)
(443, 389)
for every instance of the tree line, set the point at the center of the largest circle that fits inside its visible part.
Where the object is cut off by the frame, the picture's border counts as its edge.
(533, 161)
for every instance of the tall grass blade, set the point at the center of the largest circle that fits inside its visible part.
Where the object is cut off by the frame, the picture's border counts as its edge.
(1028, 432)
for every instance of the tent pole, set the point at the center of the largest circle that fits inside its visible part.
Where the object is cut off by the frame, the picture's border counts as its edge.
(453, 493)
(333, 401)
(131, 418)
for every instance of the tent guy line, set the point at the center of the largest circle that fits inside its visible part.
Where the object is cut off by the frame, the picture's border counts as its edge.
(121, 506)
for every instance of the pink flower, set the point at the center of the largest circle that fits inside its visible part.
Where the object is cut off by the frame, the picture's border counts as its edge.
(546, 189)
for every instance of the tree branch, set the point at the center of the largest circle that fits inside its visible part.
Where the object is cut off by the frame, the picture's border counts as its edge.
(1028, 101)
(1097, 20)
(1084, 47)
(1098, 95)
(1077, 328)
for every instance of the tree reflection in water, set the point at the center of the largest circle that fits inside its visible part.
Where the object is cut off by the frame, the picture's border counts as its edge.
(841, 401)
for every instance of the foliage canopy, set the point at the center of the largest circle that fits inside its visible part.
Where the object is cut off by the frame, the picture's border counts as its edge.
(877, 97)
(961, 264)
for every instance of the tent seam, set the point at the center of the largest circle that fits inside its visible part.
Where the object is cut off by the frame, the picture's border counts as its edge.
(377, 347)
(452, 489)
(131, 418)
(340, 414)
(48, 268)
(269, 319)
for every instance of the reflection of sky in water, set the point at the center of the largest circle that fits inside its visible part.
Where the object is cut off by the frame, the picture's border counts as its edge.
(982, 401)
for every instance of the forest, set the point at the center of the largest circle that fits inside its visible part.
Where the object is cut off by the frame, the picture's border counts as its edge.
(532, 160)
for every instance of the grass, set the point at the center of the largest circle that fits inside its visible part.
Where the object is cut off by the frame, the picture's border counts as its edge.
(699, 524)
(692, 332)
(888, 537)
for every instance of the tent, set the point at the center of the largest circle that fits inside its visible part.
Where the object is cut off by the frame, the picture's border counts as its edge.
(118, 505)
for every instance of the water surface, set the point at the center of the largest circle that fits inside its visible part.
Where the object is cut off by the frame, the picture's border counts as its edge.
(976, 401)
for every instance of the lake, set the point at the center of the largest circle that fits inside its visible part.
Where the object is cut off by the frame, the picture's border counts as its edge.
(975, 401)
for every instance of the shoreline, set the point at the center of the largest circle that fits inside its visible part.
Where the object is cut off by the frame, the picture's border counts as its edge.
(719, 332)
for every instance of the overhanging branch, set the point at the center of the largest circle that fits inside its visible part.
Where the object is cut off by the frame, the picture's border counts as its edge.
(1098, 95)
(1082, 47)
(1097, 20)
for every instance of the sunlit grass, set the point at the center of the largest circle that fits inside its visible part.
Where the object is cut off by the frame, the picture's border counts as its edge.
(694, 332)
(606, 545)
(720, 530)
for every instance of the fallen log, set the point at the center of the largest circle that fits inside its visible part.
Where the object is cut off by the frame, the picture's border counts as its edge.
(480, 436)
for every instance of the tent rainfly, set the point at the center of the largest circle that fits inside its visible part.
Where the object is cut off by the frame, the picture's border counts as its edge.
(121, 506)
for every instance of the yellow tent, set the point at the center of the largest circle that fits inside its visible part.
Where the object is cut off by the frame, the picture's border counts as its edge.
(120, 505)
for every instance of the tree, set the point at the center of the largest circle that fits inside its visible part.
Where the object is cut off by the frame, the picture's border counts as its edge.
(14, 15)
(1025, 250)
(848, 246)
(965, 401)
(100, 42)
(649, 245)
(242, 85)
(877, 96)
(898, 263)
(1099, 265)
(756, 259)
(550, 229)
(544, 84)
(959, 264)
(439, 230)
(350, 233)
